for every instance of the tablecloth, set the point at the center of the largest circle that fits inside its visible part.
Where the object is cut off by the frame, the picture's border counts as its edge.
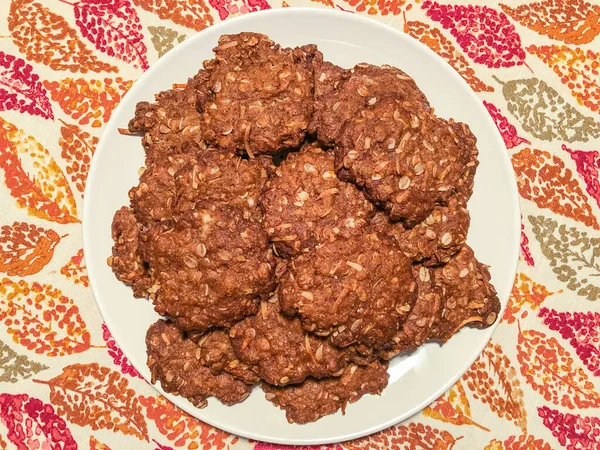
(66, 64)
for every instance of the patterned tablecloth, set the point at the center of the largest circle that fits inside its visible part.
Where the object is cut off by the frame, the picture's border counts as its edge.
(65, 65)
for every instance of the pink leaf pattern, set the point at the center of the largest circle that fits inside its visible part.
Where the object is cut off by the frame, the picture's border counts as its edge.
(33, 424)
(486, 35)
(587, 163)
(525, 252)
(227, 8)
(507, 130)
(117, 354)
(581, 330)
(114, 28)
(21, 89)
(571, 430)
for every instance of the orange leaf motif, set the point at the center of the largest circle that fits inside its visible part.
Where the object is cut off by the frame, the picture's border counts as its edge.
(519, 443)
(95, 444)
(493, 379)
(88, 101)
(25, 249)
(47, 38)
(40, 318)
(436, 41)
(570, 21)
(77, 150)
(549, 369)
(525, 291)
(577, 69)
(34, 178)
(194, 14)
(75, 269)
(180, 428)
(382, 7)
(453, 407)
(544, 179)
(412, 436)
(95, 396)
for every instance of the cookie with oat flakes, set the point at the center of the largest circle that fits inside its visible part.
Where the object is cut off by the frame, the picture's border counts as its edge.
(434, 240)
(280, 351)
(468, 297)
(306, 205)
(342, 95)
(175, 362)
(261, 95)
(211, 268)
(313, 399)
(126, 261)
(174, 185)
(406, 161)
(358, 290)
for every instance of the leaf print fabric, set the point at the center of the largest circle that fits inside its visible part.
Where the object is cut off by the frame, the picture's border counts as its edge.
(34, 178)
(483, 33)
(65, 65)
(47, 38)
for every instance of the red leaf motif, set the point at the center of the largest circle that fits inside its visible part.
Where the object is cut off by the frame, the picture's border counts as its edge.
(587, 164)
(581, 330)
(33, 424)
(485, 34)
(225, 8)
(117, 354)
(507, 130)
(572, 431)
(114, 27)
(20, 88)
(525, 252)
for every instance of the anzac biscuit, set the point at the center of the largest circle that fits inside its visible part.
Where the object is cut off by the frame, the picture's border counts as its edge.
(358, 290)
(313, 399)
(306, 205)
(468, 297)
(261, 95)
(126, 261)
(407, 162)
(434, 240)
(280, 350)
(174, 361)
(211, 269)
(345, 94)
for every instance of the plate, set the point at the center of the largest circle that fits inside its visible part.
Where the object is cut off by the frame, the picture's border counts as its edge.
(345, 39)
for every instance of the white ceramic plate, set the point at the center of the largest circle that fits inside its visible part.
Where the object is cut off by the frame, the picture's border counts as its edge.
(345, 39)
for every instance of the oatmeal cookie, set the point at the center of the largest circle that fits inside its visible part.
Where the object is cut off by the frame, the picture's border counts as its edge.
(126, 262)
(313, 399)
(468, 297)
(406, 162)
(434, 240)
(217, 354)
(358, 290)
(416, 328)
(280, 350)
(305, 204)
(171, 124)
(211, 269)
(344, 95)
(174, 361)
(174, 185)
(261, 95)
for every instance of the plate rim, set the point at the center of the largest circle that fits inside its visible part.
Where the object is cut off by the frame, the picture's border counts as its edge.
(359, 19)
